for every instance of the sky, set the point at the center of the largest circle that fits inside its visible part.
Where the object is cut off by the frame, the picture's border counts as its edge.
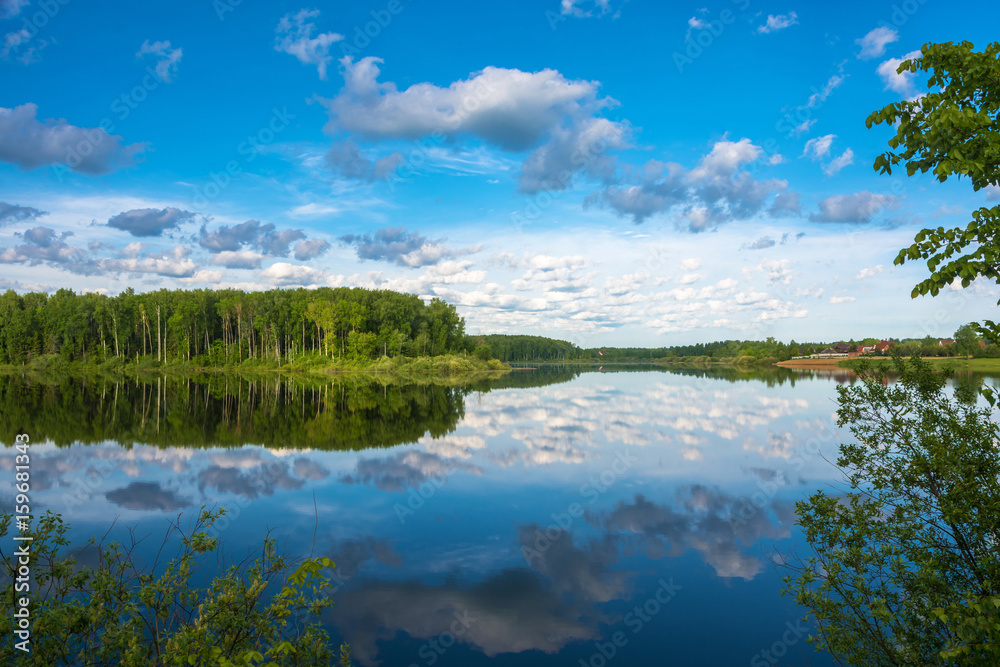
(611, 173)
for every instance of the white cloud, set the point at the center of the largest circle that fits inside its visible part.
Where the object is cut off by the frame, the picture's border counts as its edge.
(903, 83)
(719, 189)
(586, 8)
(30, 143)
(506, 108)
(804, 126)
(858, 207)
(992, 193)
(838, 163)
(294, 36)
(238, 259)
(778, 22)
(873, 44)
(842, 299)
(283, 273)
(819, 147)
(167, 58)
(820, 96)
(869, 272)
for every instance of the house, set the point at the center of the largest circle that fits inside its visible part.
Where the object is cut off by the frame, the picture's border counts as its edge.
(946, 342)
(883, 346)
(829, 350)
(866, 349)
(841, 348)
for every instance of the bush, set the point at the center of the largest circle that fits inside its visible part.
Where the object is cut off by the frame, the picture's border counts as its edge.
(906, 569)
(256, 613)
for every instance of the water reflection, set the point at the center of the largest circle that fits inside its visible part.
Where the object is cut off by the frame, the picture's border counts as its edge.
(523, 517)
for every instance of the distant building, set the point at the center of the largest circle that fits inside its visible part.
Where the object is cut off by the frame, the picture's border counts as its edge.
(841, 348)
(883, 346)
(946, 342)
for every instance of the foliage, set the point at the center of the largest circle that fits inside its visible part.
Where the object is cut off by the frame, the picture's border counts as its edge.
(906, 569)
(967, 340)
(952, 130)
(256, 613)
(225, 327)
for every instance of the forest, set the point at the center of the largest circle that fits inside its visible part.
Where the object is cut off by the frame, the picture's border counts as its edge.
(225, 327)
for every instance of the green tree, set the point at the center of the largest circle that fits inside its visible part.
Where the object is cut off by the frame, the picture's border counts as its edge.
(260, 612)
(952, 130)
(967, 340)
(906, 568)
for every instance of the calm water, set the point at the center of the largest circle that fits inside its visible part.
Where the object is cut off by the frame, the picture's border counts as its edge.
(536, 519)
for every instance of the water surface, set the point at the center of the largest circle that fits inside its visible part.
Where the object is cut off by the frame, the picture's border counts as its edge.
(534, 519)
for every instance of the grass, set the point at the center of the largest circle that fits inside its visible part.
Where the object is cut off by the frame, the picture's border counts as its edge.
(955, 363)
(444, 365)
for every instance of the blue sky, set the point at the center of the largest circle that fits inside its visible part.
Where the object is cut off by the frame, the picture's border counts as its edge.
(611, 173)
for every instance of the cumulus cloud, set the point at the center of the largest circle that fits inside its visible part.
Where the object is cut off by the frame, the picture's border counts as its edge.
(873, 44)
(294, 36)
(238, 259)
(167, 58)
(44, 245)
(515, 111)
(396, 245)
(719, 189)
(149, 221)
(11, 214)
(310, 249)
(869, 272)
(903, 83)
(859, 207)
(283, 273)
(818, 147)
(778, 22)
(347, 161)
(842, 299)
(173, 264)
(30, 143)
(760, 244)
(252, 233)
(992, 193)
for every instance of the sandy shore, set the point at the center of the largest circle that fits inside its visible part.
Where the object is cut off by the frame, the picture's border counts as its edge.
(811, 363)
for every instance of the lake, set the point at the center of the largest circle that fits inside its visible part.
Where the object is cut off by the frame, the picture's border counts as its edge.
(570, 515)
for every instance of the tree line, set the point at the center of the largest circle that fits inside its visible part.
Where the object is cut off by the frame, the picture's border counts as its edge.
(222, 327)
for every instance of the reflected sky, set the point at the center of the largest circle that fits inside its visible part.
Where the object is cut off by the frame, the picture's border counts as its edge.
(539, 524)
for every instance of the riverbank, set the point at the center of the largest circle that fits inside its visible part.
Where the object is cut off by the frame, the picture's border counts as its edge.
(444, 365)
(941, 363)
